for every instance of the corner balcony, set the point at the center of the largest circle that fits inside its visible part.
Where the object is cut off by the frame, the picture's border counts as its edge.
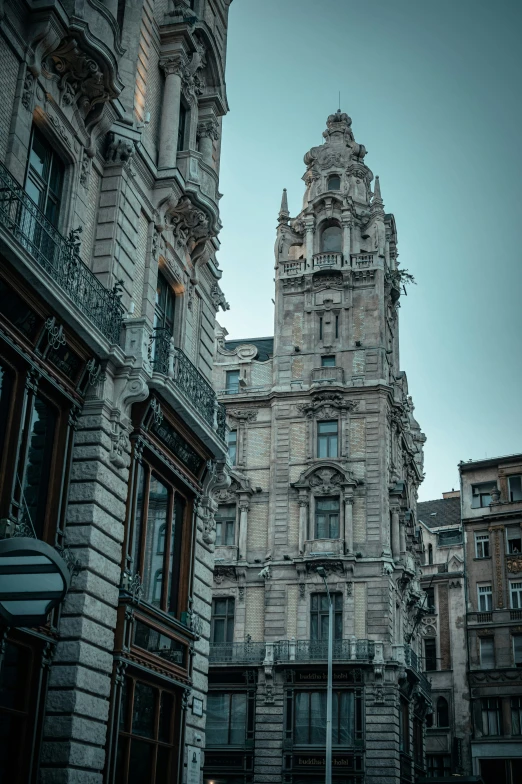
(51, 260)
(195, 398)
(326, 376)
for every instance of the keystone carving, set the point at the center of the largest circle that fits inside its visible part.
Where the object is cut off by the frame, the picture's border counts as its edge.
(222, 573)
(326, 405)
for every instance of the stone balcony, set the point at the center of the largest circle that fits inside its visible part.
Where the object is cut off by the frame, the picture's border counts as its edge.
(495, 617)
(53, 264)
(325, 376)
(327, 261)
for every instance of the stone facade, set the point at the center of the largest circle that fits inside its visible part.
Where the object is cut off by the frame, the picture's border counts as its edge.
(444, 631)
(112, 440)
(492, 517)
(326, 458)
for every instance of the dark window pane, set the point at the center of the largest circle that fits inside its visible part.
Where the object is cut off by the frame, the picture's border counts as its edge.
(156, 521)
(334, 182)
(163, 771)
(121, 756)
(301, 717)
(218, 714)
(238, 719)
(138, 520)
(124, 706)
(35, 482)
(143, 710)
(332, 240)
(175, 552)
(14, 676)
(166, 712)
(140, 765)
(318, 717)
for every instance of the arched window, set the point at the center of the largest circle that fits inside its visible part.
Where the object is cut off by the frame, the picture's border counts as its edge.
(334, 182)
(332, 239)
(442, 712)
(430, 553)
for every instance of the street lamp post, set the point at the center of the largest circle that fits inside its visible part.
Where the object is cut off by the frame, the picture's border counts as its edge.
(329, 689)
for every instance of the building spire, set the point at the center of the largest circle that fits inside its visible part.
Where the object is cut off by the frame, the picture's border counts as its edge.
(284, 215)
(377, 207)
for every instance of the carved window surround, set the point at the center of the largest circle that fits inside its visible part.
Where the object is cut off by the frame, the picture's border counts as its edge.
(239, 419)
(327, 405)
(239, 493)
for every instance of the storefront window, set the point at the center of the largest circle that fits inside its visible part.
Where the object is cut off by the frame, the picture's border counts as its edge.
(310, 718)
(226, 718)
(16, 713)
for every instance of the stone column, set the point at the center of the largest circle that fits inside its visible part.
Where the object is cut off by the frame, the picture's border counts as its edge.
(244, 506)
(348, 523)
(303, 522)
(402, 535)
(396, 544)
(309, 242)
(347, 239)
(168, 144)
(207, 134)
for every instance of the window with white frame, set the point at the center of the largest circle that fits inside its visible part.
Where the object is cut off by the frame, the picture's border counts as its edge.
(481, 494)
(516, 595)
(514, 539)
(515, 488)
(482, 545)
(232, 447)
(487, 652)
(485, 598)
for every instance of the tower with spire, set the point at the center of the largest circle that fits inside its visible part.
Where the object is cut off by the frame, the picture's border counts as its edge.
(325, 462)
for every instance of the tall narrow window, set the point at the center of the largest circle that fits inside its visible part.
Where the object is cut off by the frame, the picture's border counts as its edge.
(442, 712)
(44, 180)
(487, 652)
(491, 716)
(515, 488)
(165, 305)
(327, 439)
(334, 182)
(430, 554)
(430, 599)
(337, 327)
(310, 718)
(36, 466)
(332, 240)
(223, 620)
(226, 718)
(327, 518)
(517, 650)
(516, 715)
(182, 127)
(232, 447)
(319, 613)
(485, 598)
(514, 540)
(482, 545)
(430, 654)
(232, 382)
(226, 524)
(158, 514)
(404, 726)
(320, 327)
(516, 595)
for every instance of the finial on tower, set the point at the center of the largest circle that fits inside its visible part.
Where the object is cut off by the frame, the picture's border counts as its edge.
(284, 215)
(377, 202)
(377, 191)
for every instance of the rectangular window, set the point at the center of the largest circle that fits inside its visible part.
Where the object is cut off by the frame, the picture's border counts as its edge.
(491, 716)
(226, 524)
(404, 726)
(517, 650)
(165, 304)
(328, 361)
(232, 382)
(310, 718)
(226, 719)
(516, 595)
(516, 715)
(430, 653)
(327, 518)
(514, 541)
(320, 327)
(482, 545)
(485, 598)
(319, 611)
(222, 620)
(44, 182)
(418, 744)
(232, 447)
(35, 465)
(18, 691)
(158, 539)
(182, 127)
(327, 438)
(515, 488)
(148, 733)
(438, 765)
(487, 652)
(430, 599)
(481, 494)
(337, 327)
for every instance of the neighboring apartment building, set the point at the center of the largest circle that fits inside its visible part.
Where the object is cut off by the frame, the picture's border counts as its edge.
(110, 431)
(444, 636)
(326, 458)
(491, 492)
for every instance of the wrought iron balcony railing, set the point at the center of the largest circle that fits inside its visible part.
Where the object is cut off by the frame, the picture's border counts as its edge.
(237, 652)
(317, 650)
(170, 361)
(411, 658)
(59, 257)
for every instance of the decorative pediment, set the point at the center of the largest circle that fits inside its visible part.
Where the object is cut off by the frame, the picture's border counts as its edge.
(239, 485)
(326, 404)
(325, 479)
(222, 573)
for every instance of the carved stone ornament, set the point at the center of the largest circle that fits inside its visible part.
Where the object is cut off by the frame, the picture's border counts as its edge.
(85, 171)
(327, 281)
(119, 447)
(514, 565)
(189, 224)
(326, 405)
(27, 91)
(193, 83)
(119, 149)
(82, 80)
(222, 573)
(218, 298)
(208, 129)
(243, 414)
(330, 566)
(325, 479)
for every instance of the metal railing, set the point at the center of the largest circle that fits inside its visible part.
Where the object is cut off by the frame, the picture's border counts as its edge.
(411, 658)
(237, 652)
(159, 349)
(59, 257)
(317, 650)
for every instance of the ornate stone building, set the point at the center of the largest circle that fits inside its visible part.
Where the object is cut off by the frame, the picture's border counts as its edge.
(444, 637)
(111, 436)
(491, 492)
(326, 458)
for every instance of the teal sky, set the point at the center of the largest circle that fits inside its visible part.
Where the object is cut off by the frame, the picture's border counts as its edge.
(434, 91)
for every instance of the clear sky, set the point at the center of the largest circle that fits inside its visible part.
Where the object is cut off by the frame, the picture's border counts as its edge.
(434, 91)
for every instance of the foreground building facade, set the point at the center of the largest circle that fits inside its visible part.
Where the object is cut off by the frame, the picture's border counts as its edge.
(326, 459)
(491, 493)
(111, 435)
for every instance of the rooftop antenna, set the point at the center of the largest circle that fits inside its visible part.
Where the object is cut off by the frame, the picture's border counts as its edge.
(339, 100)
